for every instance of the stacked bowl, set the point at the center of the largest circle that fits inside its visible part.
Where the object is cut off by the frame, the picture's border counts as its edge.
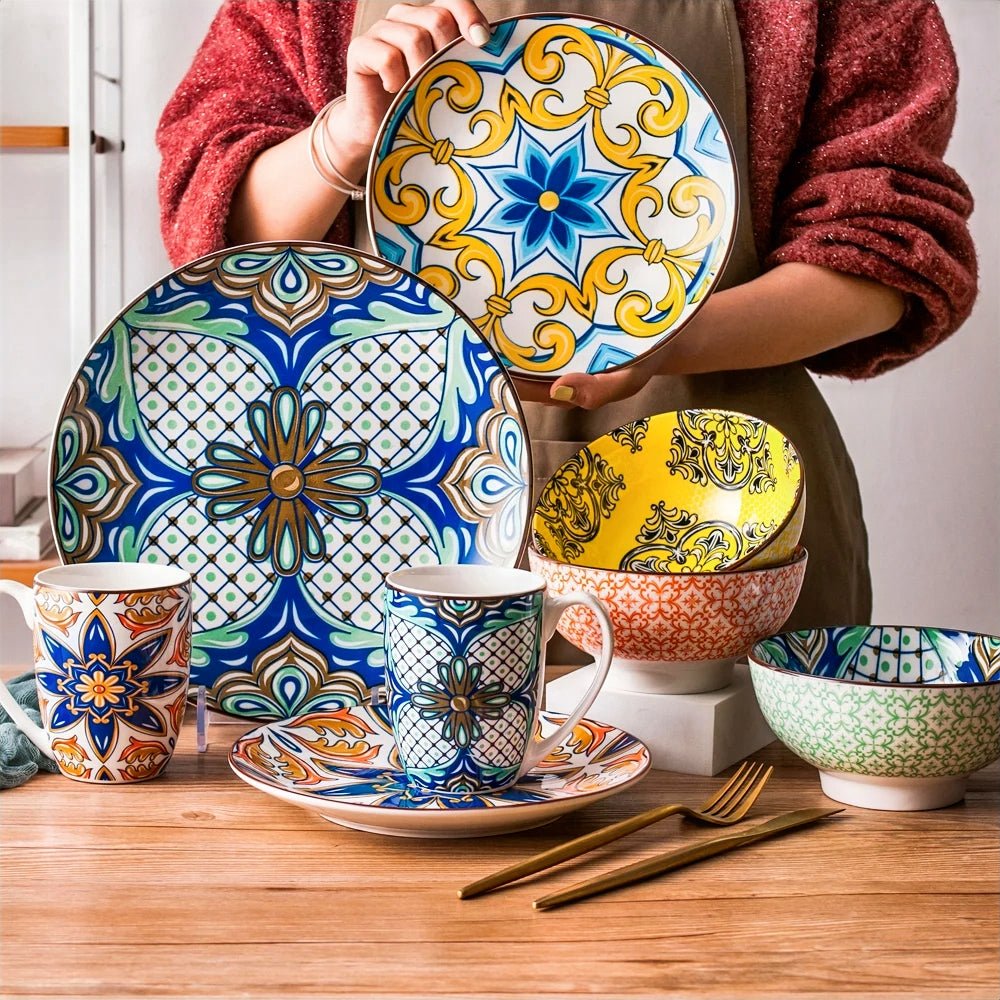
(686, 526)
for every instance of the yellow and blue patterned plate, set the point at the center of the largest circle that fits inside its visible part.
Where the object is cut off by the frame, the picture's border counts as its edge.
(289, 423)
(344, 766)
(570, 186)
(690, 491)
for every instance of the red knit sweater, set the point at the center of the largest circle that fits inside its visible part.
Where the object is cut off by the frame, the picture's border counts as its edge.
(850, 106)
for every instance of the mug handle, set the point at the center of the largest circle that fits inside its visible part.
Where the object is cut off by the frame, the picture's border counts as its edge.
(26, 599)
(554, 607)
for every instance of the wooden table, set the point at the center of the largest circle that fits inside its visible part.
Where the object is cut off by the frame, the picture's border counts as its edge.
(196, 885)
(24, 571)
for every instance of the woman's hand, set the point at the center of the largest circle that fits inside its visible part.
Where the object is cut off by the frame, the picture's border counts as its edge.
(281, 197)
(380, 61)
(789, 313)
(589, 392)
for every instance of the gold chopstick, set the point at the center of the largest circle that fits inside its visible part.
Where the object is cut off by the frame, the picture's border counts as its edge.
(677, 859)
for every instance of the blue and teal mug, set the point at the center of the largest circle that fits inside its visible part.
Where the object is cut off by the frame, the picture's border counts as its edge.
(465, 671)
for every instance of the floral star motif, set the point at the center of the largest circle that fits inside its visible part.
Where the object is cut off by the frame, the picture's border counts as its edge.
(105, 686)
(457, 698)
(548, 202)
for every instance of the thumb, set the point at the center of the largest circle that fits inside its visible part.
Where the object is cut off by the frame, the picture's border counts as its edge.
(592, 391)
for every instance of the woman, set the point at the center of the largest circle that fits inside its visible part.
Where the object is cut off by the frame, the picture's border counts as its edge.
(851, 254)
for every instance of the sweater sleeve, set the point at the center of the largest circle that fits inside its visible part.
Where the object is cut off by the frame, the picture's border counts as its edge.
(867, 192)
(249, 87)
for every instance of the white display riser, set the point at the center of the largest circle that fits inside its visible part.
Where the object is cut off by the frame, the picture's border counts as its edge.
(686, 733)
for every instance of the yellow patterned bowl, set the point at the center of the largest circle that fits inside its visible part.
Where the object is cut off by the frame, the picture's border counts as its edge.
(691, 491)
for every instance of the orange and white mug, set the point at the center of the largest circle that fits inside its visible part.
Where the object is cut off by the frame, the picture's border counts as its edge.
(112, 663)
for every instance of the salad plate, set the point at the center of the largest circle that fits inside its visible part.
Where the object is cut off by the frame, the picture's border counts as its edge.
(289, 423)
(569, 185)
(344, 766)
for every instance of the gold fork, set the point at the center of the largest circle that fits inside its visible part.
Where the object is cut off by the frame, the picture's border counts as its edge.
(727, 806)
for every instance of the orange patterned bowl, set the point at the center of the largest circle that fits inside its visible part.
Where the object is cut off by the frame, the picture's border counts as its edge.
(676, 633)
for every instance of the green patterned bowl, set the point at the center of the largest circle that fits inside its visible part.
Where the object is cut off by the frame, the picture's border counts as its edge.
(894, 717)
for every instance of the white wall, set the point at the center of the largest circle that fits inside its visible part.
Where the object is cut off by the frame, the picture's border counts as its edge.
(172, 29)
(925, 439)
(34, 205)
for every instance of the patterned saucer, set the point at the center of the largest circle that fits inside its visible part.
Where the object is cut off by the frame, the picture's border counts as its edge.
(289, 423)
(570, 186)
(344, 766)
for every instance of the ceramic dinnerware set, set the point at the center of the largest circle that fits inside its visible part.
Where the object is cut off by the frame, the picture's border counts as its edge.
(686, 525)
(293, 475)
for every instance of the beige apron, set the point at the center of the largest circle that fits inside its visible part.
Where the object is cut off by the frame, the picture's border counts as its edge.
(703, 35)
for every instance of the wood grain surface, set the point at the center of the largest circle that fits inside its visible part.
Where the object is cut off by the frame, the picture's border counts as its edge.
(26, 570)
(34, 136)
(196, 885)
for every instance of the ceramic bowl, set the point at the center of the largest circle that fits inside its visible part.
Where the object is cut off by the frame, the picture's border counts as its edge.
(675, 633)
(894, 717)
(687, 491)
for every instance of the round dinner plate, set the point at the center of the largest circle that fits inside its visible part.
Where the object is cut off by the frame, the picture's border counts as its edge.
(289, 423)
(344, 766)
(569, 185)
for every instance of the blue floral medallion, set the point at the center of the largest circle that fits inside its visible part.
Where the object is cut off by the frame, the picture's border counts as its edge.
(568, 185)
(547, 203)
(285, 482)
(105, 686)
(456, 698)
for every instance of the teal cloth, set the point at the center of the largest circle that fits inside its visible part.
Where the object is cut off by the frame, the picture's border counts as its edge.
(20, 759)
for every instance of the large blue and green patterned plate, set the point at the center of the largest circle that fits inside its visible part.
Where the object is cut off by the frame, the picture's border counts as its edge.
(570, 186)
(290, 423)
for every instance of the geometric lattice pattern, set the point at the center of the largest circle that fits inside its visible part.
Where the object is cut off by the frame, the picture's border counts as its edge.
(507, 653)
(364, 384)
(231, 585)
(462, 687)
(290, 423)
(414, 650)
(905, 655)
(191, 391)
(393, 535)
(503, 741)
(421, 743)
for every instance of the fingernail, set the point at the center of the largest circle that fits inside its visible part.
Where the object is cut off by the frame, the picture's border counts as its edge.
(563, 393)
(479, 35)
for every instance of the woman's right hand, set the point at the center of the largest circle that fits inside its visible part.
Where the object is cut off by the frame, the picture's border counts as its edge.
(380, 61)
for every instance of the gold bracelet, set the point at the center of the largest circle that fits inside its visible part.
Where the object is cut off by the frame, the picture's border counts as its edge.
(324, 170)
